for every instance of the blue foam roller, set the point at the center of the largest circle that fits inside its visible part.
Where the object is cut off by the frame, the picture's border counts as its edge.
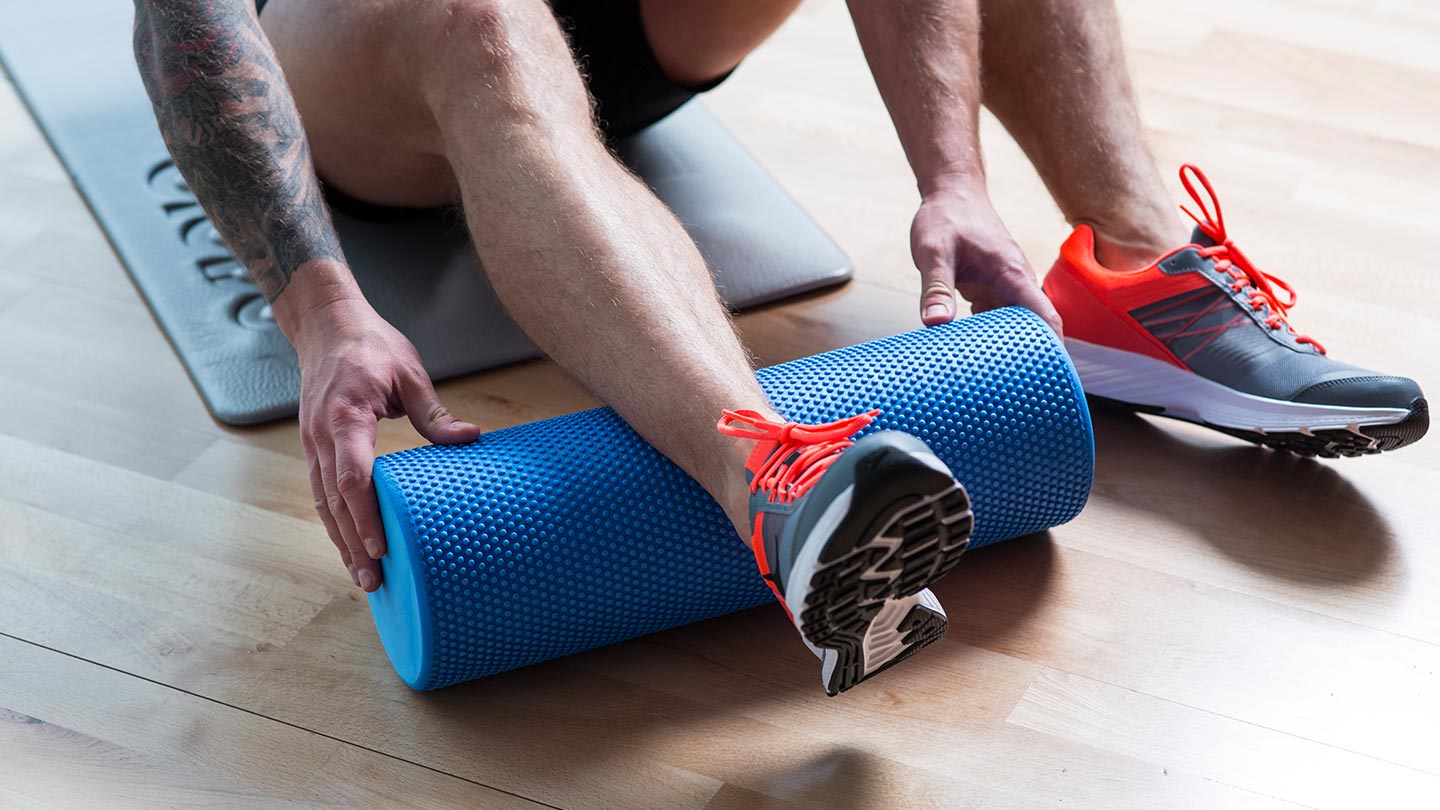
(550, 538)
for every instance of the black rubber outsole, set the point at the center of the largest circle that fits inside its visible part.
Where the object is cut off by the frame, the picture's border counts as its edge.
(847, 594)
(1335, 443)
(922, 627)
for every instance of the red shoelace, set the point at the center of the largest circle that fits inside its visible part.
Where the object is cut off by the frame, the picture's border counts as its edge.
(817, 446)
(1264, 288)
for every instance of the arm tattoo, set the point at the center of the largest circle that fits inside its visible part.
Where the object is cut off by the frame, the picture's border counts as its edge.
(231, 125)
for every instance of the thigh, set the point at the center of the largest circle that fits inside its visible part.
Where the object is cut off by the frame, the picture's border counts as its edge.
(697, 42)
(357, 88)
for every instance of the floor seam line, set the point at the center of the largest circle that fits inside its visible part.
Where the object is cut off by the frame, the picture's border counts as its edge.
(286, 723)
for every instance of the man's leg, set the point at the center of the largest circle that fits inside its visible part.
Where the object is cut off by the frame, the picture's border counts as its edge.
(482, 96)
(483, 100)
(1054, 73)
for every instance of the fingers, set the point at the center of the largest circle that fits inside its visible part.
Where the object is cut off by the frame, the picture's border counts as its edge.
(317, 491)
(937, 277)
(367, 571)
(1021, 288)
(430, 418)
(354, 458)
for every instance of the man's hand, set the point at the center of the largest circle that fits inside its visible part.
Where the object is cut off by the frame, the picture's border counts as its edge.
(355, 370)
(230, 122)
(925, 55)
(959, 243)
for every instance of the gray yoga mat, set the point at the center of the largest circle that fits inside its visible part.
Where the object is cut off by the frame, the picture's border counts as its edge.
(72, 62)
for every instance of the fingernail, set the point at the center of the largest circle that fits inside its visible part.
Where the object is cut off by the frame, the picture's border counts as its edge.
(459, 425)
(367, 579)
(936, 311)
(372, 547)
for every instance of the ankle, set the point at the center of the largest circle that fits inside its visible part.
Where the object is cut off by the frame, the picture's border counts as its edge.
(1126, 244)
(1134, 234)
(728, 484)
(1125, 254)
(733, 495)
(725, 480)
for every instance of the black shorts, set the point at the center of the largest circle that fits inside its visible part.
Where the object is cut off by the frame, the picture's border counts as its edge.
(630, 89)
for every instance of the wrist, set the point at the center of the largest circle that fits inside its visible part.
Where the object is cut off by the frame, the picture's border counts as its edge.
(965, 179)
(322, 296)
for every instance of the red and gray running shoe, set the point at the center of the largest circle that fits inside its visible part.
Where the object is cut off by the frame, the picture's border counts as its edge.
(1203, 335)
(850, 534)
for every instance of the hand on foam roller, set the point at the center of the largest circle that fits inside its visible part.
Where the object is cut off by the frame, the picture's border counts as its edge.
(505, 551)
(959, 243)
(356, 369)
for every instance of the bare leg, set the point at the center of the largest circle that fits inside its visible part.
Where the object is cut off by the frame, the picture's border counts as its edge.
(1054, 73)
(483, 98)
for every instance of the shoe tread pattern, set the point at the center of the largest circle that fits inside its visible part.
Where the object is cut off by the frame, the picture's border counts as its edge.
(846, 595)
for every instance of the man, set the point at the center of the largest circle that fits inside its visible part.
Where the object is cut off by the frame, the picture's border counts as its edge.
(420, 103)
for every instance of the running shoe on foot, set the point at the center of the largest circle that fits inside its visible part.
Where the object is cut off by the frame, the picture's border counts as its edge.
(849, 535)
(1201, 334)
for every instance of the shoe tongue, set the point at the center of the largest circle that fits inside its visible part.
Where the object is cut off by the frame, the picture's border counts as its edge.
(1199, 237)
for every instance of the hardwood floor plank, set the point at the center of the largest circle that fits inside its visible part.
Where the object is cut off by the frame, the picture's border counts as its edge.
(1239, 753)
(120, 741)
(1306, 84)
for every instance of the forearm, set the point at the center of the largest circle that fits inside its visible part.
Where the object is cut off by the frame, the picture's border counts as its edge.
(231, 125)
(925, 56)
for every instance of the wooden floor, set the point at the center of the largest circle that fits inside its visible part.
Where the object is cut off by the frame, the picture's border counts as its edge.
(1222, 627)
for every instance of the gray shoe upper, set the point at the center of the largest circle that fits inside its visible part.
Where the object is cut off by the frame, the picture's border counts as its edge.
(787, 527)
(1217, 334)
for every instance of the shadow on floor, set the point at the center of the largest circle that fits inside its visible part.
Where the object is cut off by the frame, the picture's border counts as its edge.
(997, 589)
(732, 685)
(1281, 514)
(841, 779)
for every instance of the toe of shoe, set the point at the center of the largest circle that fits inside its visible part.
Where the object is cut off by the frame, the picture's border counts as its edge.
(1363, 391)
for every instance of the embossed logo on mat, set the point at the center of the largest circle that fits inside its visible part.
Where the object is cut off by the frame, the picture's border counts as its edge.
(212, 260)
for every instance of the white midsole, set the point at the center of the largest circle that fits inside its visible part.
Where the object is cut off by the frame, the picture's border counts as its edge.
(883, 640)
(1140, 380)
(807, 564)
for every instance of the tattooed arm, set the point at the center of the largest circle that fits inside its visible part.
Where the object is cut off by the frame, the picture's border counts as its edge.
(228, 118)
(227, 115)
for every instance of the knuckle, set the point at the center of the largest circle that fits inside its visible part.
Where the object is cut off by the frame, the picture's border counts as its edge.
(344, 414)
(935, 287)
(334, 503)
(987, 269)
(315, 427)
(351, 482)
(1014, 270)
(929, 250)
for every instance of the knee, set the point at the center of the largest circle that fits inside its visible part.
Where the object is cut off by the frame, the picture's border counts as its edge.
(506, 57)
(476, 35)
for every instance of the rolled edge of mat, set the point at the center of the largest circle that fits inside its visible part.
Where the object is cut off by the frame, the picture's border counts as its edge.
(401, 607)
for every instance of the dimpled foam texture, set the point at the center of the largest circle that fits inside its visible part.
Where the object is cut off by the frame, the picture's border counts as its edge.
(554, 537)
